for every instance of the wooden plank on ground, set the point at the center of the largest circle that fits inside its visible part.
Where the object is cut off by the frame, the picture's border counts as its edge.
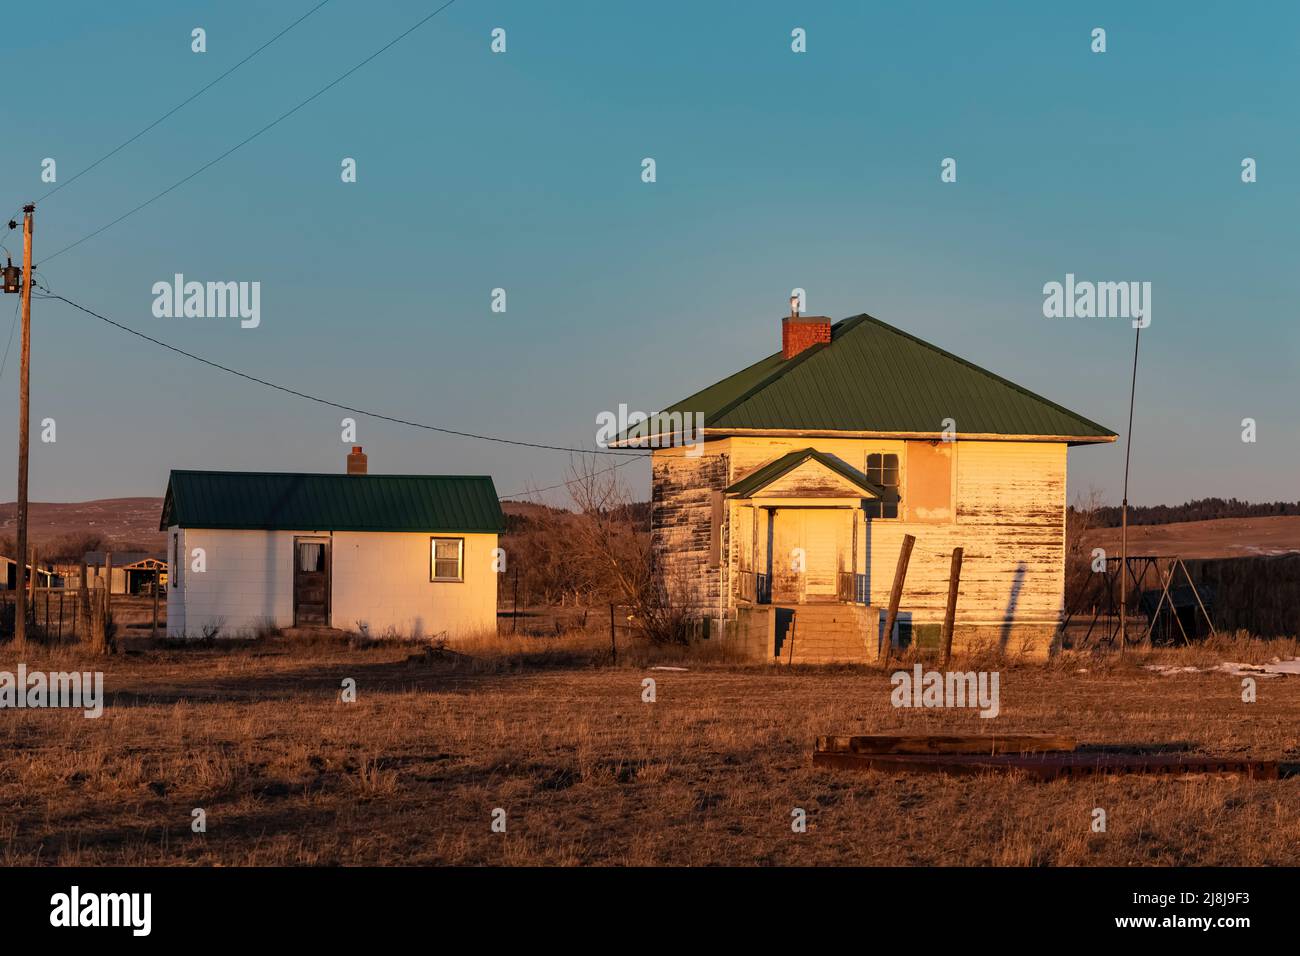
(1052, 766)
(945, 744)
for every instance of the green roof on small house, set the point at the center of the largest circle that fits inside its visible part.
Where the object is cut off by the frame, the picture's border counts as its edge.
(280, 501)
(786, 463)
(872, 377)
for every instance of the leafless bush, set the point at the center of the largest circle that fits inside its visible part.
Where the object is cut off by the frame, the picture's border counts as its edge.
(1080, 519)
(608, 541)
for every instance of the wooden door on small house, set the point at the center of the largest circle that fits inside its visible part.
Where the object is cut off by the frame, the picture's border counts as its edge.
(311, 581)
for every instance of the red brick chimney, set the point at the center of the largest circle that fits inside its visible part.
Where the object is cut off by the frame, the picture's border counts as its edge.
(356, 461)
(802, 332)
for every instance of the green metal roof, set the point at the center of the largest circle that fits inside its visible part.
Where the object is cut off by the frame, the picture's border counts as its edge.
(872, 377)
(276, 501)
(786, 463)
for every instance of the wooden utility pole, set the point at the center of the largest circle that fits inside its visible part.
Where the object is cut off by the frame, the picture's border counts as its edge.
(24, 402)
(950, 614)
(896, 593)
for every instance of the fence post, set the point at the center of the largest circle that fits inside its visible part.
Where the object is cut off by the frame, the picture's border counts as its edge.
(108, 583)
(83, 604)
(98, 625)
(896, 593)
(613, 647)
(514, 618)
(950, 614)
(154, 632)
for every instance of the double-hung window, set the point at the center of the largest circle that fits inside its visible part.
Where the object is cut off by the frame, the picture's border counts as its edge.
(447, 559)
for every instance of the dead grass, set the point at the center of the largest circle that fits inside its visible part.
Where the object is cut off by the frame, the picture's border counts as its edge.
(588, 773)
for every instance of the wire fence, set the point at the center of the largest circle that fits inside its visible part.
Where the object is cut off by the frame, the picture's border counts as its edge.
(53, 614)
(66, 615)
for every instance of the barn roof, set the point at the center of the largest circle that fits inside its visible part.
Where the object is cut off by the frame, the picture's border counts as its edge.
(872, 377)
(279, 501)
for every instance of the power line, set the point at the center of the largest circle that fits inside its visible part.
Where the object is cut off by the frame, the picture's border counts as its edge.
(279, 119)
(113, 152)
(328, 402)
(10, 341)
(565, 484)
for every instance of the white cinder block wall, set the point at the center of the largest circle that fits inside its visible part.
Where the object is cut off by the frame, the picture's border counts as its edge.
(382, 581)
(379, 580)
(247, 581)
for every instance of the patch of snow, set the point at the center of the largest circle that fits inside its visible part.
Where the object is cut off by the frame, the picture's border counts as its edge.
(1274, 668)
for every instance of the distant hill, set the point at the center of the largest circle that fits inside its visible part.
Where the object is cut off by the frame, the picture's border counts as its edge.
(131, 524)
(1220, 538)
(124, 524)
(1199, 509)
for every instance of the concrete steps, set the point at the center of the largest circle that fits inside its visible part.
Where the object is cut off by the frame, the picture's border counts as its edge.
(829, 634)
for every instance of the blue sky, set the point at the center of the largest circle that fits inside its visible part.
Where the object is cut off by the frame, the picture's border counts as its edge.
(775, 170)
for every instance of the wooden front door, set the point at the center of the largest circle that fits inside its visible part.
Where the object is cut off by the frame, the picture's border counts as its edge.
(809, 548)
(311, 581)
(823, 534)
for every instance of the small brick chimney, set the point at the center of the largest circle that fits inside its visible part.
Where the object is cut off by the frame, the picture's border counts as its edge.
(356, 461)
(802, 332)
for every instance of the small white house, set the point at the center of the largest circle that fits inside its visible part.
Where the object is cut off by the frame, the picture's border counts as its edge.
(411, 556)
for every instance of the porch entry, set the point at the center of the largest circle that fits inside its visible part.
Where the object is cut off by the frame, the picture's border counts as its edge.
(311, 581)
(822, 540)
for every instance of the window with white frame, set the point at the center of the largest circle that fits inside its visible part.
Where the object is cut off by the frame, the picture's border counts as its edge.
(447, 559)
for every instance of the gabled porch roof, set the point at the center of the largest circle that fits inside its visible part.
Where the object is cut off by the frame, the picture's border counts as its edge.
(754, 483)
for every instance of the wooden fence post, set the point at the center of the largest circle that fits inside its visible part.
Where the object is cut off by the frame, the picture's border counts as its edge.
(83, 605)
(896, 593)
(154, 632)
(613, 647)
(514, 618)
(98, 623)
(950, 614)
(108, 583)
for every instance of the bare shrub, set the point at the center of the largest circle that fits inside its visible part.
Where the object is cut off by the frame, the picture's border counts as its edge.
(605, 539)
(1081, 518)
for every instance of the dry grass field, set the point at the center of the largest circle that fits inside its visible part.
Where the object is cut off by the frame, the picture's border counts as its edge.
(588, 773)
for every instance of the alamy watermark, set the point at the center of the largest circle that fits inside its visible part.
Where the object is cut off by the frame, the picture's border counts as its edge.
(78, 690)
(179, 299)
(952, 689)
(660, 430)
(75, 908)
(1085, 299)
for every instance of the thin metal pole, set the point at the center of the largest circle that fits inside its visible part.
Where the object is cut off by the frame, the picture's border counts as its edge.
(1123, 535)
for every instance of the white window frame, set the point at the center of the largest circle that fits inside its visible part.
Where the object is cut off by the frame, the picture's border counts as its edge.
(433, 560)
